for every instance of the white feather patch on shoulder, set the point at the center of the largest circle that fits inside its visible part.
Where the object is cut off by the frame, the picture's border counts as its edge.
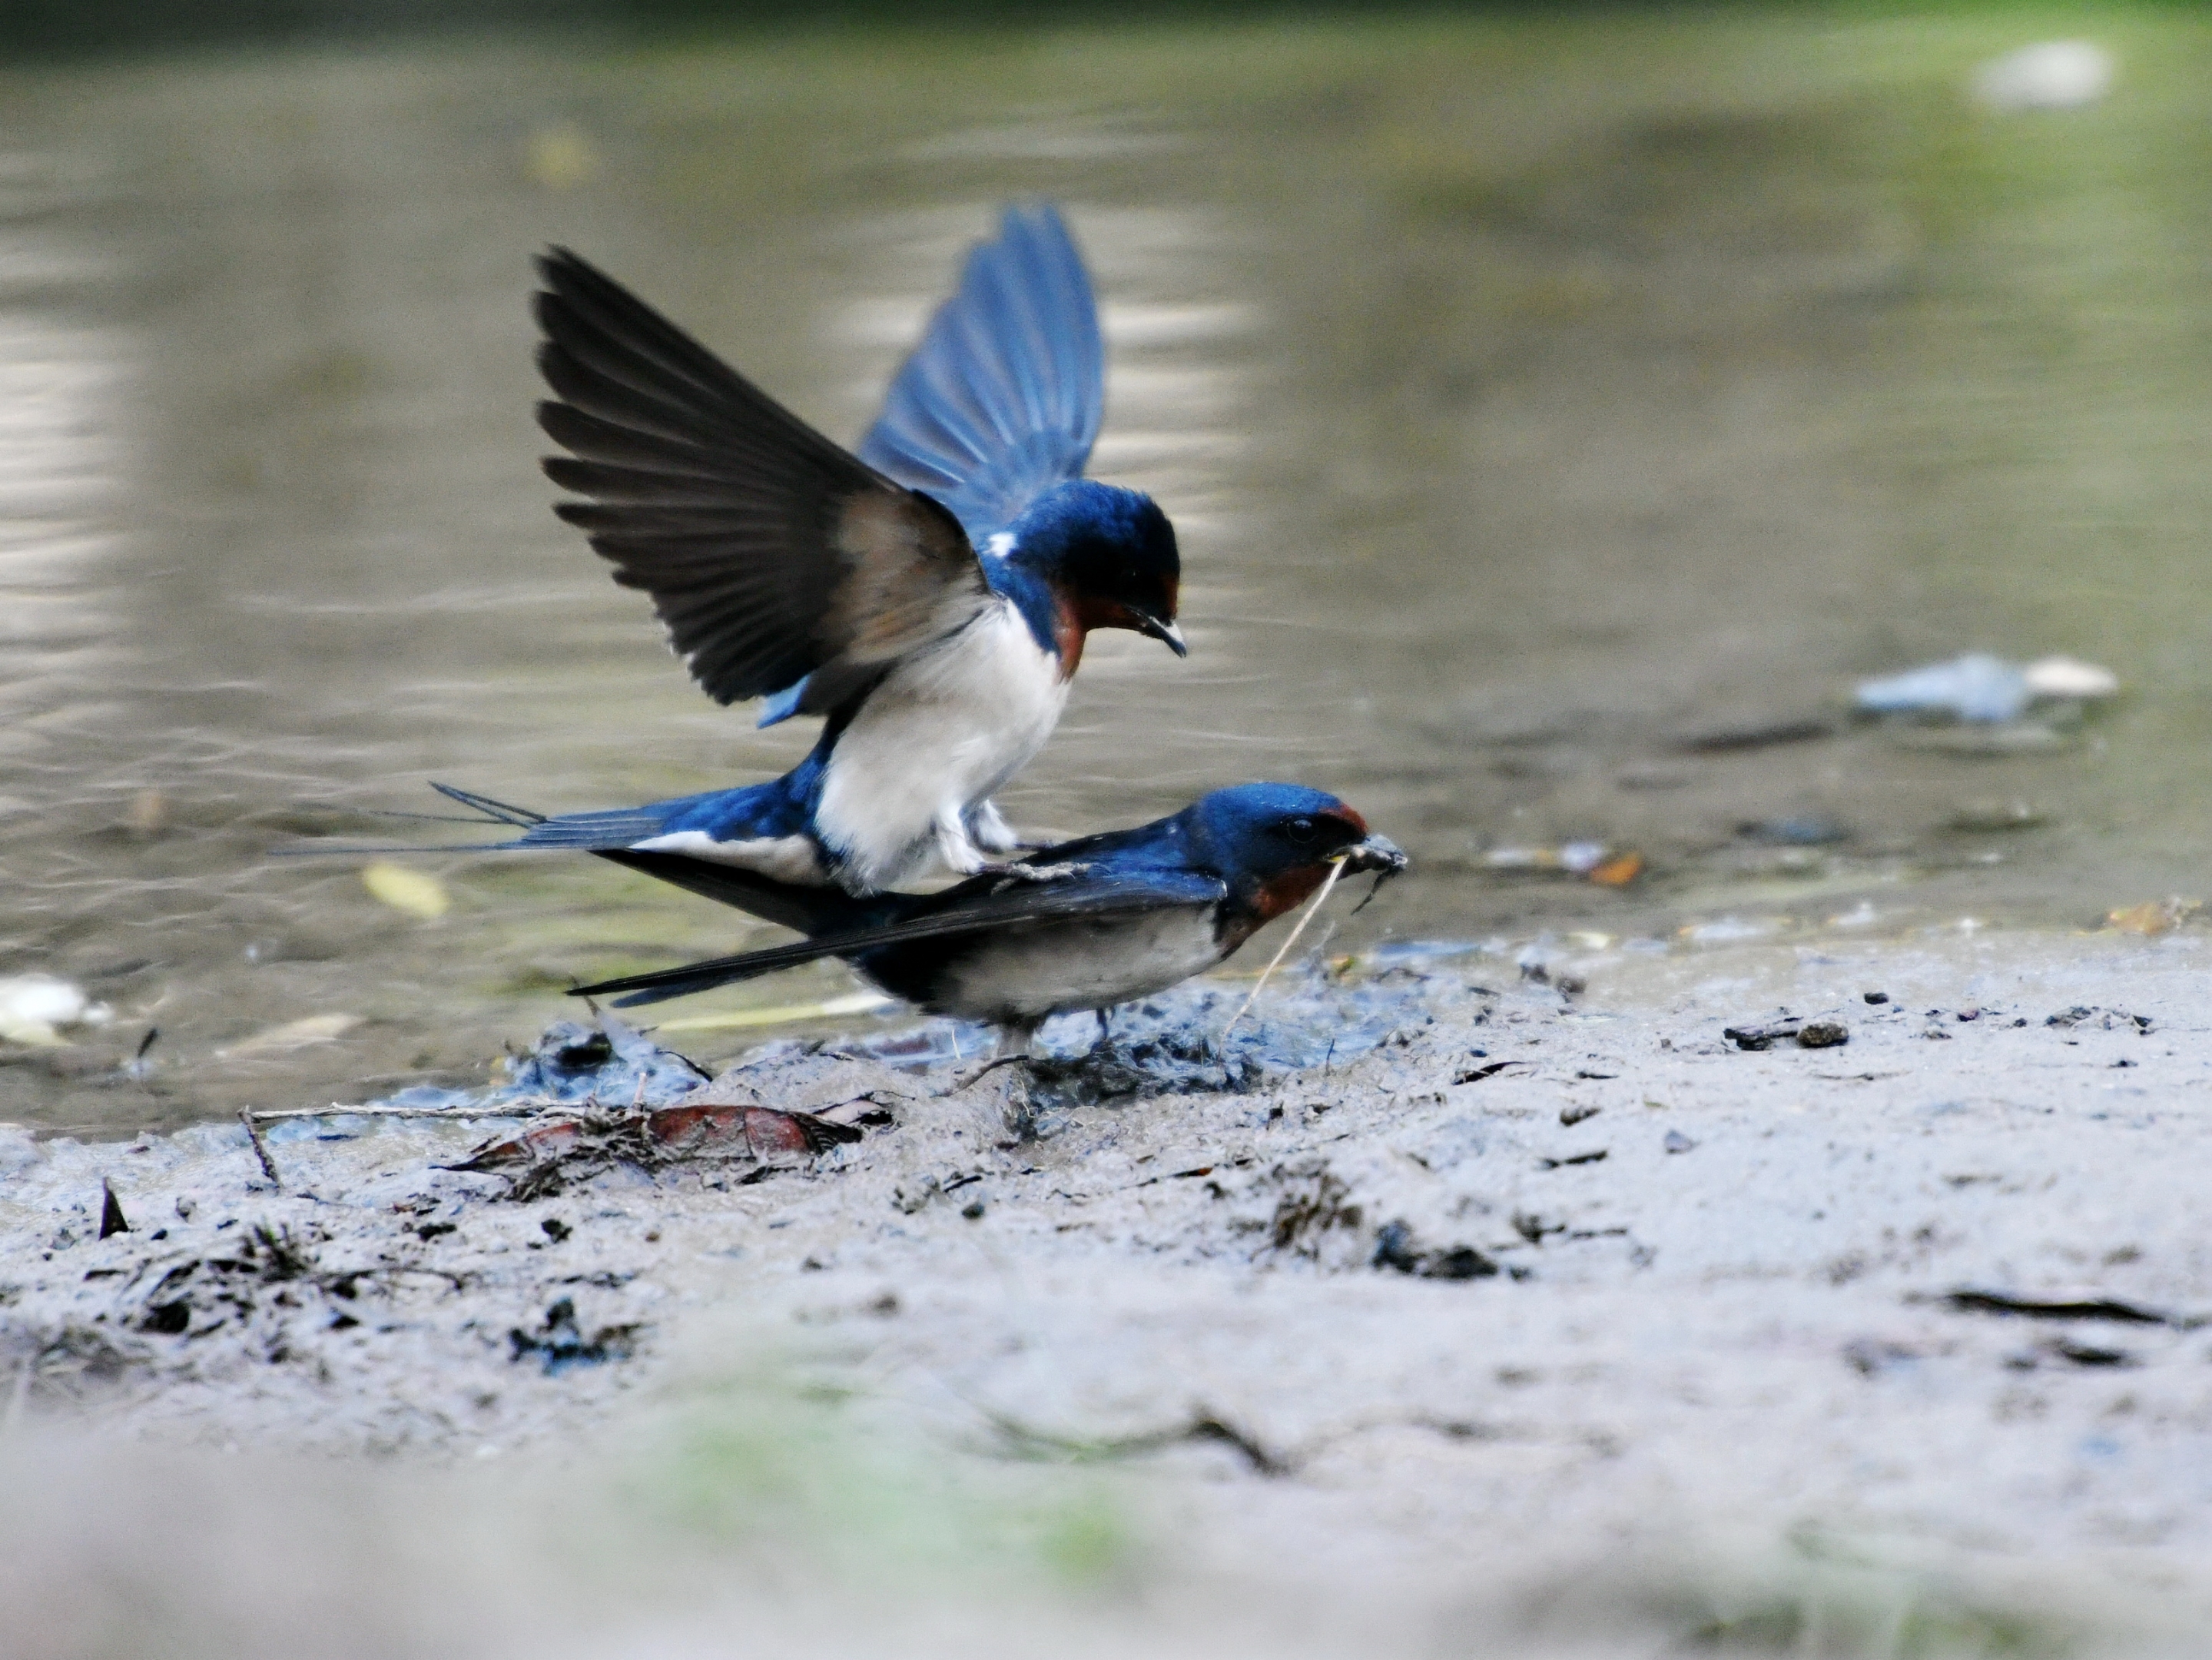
(785, 857)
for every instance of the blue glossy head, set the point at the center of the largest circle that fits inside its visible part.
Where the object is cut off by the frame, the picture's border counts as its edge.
(1274, 843)
(1110, 553)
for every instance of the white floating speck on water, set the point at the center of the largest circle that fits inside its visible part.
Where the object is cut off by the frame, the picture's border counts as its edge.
(2069, 677)
(409, 890)
(2052, 74)
(1982, 688)
(1579, 858)
(1975, 687)
(294, 1034)
(35, 1007)
(1730, 930)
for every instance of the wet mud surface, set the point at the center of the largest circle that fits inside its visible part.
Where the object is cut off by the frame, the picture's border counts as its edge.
(1549, 1280)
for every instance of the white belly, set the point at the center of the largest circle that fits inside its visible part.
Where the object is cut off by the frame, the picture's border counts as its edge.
(1059, 966)
(949, 727)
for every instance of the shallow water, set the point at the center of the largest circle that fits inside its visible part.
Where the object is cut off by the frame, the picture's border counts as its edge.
(1550, 412)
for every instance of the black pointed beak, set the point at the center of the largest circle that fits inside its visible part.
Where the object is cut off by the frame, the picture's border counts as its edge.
(1166, 633)
(1376, 852)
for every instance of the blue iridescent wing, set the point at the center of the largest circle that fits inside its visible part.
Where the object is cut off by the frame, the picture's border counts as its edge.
(982, 905)
(779, 707)
(1004, 397)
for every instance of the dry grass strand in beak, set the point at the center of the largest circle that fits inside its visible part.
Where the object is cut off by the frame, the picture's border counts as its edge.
(1336, 869)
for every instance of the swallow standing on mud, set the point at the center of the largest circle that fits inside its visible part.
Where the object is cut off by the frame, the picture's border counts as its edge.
(929, 597)
(1134, 912)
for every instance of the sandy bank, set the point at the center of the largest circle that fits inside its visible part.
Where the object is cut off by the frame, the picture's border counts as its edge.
(1549, 1308)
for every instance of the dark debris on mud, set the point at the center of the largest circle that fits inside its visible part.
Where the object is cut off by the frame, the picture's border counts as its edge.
(1414, 1135)
(308, 1245)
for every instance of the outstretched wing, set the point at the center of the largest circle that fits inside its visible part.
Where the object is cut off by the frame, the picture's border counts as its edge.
(770, 552)
(980, 905)
(1004, 397)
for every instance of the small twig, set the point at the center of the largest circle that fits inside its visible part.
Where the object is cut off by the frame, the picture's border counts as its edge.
(1210, 1428)
(1202, 1426)
(260, 1148)
(525, 1108)
(1336, 869)
(983, 1070)
(458, 1281)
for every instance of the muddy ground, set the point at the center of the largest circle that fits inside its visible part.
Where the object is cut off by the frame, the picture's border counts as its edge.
(1554, 1319)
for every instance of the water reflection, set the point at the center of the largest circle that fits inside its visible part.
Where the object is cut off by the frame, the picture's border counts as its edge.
(61, 385)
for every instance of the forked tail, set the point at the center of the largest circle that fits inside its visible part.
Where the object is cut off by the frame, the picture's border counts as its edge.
(487, 810)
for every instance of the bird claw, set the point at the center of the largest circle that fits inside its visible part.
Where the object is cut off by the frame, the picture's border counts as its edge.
(1016, 1074)
(1006, 874)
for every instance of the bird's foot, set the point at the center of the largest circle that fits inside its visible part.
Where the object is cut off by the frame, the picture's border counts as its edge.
(986, 1070)
(1010, 1076)
(990, 831)
(1020, 873)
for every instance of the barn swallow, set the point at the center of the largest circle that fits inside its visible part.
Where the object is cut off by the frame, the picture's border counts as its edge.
(1130, 913)
(929, 596)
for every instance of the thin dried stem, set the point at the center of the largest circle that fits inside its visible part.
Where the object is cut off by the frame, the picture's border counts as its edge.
(261, 1149)
(524, 1108)
(1313, 905)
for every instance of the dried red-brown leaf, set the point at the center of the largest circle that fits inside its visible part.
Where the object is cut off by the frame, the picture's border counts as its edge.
(688, 1131)
(533, 1146)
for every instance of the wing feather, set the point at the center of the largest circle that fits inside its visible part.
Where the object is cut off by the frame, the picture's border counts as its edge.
(770, 552)
(982, 905)
(608, 441)
(1005, 396)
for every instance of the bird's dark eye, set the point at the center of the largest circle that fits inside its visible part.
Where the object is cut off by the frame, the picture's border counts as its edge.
(1300, 832)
